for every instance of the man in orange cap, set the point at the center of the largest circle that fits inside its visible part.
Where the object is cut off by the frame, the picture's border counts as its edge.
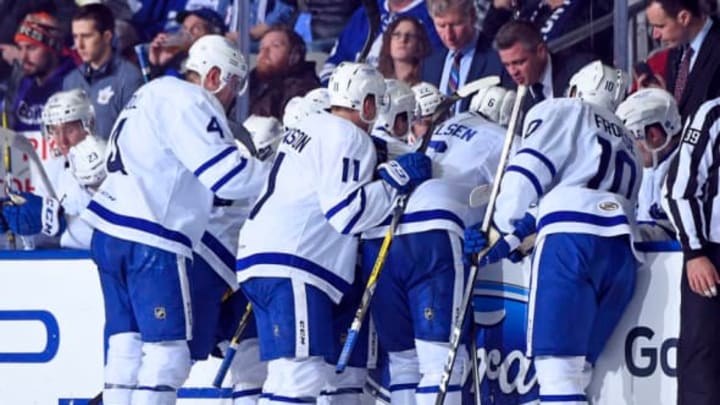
(40, 42)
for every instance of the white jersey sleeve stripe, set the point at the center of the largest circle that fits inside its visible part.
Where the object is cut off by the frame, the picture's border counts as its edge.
(297, 262)
(342, 204)
(357, 216)
(138, 224)
(540, 157)
(528, 175)
(220, 156)
(232, 173)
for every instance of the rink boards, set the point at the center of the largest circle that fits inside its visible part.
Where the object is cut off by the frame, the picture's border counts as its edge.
(51, 339)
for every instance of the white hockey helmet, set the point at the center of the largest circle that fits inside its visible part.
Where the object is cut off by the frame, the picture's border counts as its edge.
(494, 103)
(298, 108)
(399, 100)
(68, 106)
(351, 83)
(266, 133)
(599, 84)
(319, 98)
(427, 98)
(217, 51)
(647, 107)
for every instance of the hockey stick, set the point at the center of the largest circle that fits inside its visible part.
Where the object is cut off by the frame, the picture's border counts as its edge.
(7, 164)
(232, 349)
(398, 211)
(493, 236)
(372, 10)
(22, 144)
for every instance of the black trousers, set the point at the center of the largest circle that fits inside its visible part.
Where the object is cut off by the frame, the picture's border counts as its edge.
(698, 356)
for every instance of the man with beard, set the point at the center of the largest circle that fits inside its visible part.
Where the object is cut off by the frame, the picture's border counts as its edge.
(281, 72)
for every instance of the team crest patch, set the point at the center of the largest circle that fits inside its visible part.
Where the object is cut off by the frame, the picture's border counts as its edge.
(160, 313)
(104, 95)
(429, 314)
(608, 206)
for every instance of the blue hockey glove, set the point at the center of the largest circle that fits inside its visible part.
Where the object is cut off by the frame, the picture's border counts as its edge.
(406, 172)
(476, 241)
(35, 215)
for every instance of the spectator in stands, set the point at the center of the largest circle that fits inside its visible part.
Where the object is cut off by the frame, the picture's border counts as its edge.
(322, 21)
(527, 59)
(693, 66)
(44, 64)
(264, 14)
(281, 72)
(352, 38)
(556, 18)
(12, 13)
(167, 51)
(467, 54)
(404, 46)
(106, 78)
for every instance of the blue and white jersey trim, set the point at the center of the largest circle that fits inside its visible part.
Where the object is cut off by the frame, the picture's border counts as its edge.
(420, 221)
(138, 230)
(214, 160)
(219, 258)
(278, 264)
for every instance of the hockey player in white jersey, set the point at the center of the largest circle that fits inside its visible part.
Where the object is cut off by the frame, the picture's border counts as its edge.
(651, 115)
(69, 121)
(266, 134)
(427, 98)
(579, 164)
(419, 290)
(297, 251)
(297, 108)
(171, 154)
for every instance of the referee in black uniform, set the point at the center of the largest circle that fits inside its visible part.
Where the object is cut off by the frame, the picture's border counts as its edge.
(692, 196)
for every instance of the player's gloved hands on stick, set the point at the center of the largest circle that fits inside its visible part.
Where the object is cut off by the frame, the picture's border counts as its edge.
(406, 172)
(476, 241)
(34, 215)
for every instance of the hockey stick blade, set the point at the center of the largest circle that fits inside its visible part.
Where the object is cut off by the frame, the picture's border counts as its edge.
(232, 349)
(372, 11)
(480, 195)
(22, 144)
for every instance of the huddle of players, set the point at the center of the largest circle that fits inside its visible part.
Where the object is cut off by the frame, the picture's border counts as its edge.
(176, 213)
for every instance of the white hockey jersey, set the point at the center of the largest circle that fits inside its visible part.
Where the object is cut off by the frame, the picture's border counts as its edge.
(465, 151)
(318, 196)
(169, 154)
(653, 221)
(578, 162)
(74, 198)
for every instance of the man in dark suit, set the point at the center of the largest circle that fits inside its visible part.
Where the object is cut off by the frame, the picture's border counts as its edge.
(467, 55)
(529, 62)
(693, 67)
